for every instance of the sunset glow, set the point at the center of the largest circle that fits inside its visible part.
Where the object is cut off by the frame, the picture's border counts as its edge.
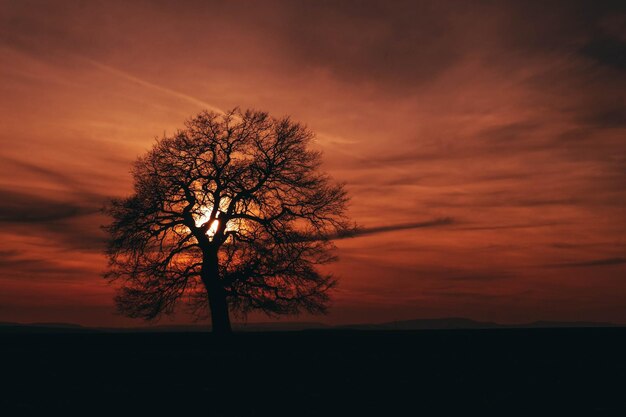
(484, 156)
(205, 217)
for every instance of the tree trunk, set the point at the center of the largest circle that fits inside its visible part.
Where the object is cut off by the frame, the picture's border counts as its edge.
(218, 305)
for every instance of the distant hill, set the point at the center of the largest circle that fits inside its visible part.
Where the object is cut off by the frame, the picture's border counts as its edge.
(462, 323)
(278, 326)
(241, 327)
(417, 324)
(579, 324)
(7, 327)
(425, 324)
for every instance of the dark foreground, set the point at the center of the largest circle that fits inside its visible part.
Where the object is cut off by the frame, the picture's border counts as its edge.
(317, 373)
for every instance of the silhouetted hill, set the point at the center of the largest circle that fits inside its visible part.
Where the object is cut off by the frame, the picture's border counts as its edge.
(462, 323)
(579, 324)
(423, 324)
(59, 325)
(239, 327)
(417, 324)
(277, 326)
(8, 327)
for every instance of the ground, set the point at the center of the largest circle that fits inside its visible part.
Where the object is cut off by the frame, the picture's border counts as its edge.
(507, 372)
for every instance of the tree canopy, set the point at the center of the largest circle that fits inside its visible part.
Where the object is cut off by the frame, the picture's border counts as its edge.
(232, 211)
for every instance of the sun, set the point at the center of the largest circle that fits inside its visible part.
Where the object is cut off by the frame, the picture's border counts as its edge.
(205, 216)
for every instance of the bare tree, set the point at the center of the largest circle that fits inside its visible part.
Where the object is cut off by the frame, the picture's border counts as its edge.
(232, 211)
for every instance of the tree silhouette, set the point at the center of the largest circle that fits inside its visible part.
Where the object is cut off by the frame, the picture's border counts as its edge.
(231, 211)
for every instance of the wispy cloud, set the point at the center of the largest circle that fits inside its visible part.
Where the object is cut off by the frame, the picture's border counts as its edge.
(135, 79)
(587, 264)
(18, 207)
(365, 231)
(511, 226)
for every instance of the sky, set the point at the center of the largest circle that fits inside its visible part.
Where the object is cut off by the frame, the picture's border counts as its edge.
(483, 144)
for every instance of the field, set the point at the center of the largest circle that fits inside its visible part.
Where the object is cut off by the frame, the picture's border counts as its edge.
(508, 372)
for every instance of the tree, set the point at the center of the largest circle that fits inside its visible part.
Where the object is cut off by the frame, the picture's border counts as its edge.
(231, 211)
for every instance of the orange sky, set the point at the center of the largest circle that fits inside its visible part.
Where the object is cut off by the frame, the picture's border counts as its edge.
(509, 120)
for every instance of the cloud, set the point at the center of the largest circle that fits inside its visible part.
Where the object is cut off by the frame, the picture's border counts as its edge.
(591, 263)
(61, 206)
(607, 51)
(132, 78)
(398, 44)
(519, 130)
(18, 207)
(607, 114)
(42, 171)
(512, 226)
(480, 276)
(13, 265)
(365, 231)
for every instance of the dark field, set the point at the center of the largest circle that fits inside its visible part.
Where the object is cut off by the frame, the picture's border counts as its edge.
(506, 372)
